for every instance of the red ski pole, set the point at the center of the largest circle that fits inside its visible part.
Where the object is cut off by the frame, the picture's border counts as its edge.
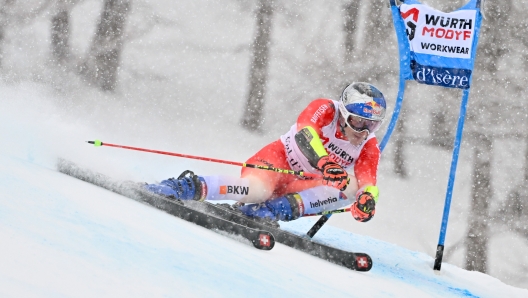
(98, 143)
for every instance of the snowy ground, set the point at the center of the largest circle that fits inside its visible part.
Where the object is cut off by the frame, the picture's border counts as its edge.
(182, 87)
(65, 238)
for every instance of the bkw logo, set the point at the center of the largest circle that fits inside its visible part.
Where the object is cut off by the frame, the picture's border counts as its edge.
(237, 190)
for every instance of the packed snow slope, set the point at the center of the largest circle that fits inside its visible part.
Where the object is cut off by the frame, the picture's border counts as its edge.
(62, 237)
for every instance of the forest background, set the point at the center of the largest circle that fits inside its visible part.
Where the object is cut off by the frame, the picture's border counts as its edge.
(222, 79)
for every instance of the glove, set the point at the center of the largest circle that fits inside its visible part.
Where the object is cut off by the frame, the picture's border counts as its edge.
(333, 174)
(365, 206)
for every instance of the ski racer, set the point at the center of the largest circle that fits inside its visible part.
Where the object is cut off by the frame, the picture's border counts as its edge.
(332, 138)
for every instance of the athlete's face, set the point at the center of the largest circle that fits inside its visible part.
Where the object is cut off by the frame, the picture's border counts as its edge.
(355, 138)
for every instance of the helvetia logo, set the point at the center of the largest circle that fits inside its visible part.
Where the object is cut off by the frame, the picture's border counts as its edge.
(323, 202)
(438, 76)
(237, 190)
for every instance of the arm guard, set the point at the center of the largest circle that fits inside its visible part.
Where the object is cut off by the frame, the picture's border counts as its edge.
(310, 145)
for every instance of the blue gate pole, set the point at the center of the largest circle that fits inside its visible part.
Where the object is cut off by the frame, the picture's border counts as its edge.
(451, 182)
(395, 114)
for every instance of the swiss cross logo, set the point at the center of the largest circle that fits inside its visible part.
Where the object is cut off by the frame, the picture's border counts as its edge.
(362, 262)
(264, 240)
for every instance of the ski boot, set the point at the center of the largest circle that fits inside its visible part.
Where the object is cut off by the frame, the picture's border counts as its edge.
(187, 186)
(284, 208)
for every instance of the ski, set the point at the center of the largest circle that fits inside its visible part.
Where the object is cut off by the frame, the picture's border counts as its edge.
(352, 260)
(260, 238)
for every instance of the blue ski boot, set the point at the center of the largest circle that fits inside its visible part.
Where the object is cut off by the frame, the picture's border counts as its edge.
(284, 208)
(186, 187)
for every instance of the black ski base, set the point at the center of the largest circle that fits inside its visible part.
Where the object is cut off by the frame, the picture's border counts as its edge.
(217, 217)
(352, 260)
(260, 238)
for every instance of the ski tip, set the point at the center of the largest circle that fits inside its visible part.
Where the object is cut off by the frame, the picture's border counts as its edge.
(96, 143)
(264, 241)
(363, 262)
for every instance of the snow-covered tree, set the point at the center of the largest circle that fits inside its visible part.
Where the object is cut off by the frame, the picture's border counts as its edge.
(102, 64)
(258, 76)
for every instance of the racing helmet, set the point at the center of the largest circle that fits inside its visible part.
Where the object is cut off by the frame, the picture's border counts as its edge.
(363, 107)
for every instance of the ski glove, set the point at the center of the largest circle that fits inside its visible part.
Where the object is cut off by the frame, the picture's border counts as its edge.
(333, 174)
(365, 206)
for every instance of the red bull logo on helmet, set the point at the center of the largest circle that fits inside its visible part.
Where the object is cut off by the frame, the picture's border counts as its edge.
(372, 107)
(373, 104)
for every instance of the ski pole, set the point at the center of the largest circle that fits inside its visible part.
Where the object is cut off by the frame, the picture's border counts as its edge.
(318, 225)
(328, 212)
(98, 143)
(322, 220)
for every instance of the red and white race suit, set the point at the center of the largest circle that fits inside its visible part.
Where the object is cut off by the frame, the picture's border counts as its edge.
(323, 116)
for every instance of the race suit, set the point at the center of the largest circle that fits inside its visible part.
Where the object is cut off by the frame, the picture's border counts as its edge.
(289, 152)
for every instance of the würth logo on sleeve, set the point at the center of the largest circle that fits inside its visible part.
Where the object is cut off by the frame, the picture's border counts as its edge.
(234, 189)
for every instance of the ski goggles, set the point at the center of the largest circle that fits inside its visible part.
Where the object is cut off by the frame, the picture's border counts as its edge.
(359, 124)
